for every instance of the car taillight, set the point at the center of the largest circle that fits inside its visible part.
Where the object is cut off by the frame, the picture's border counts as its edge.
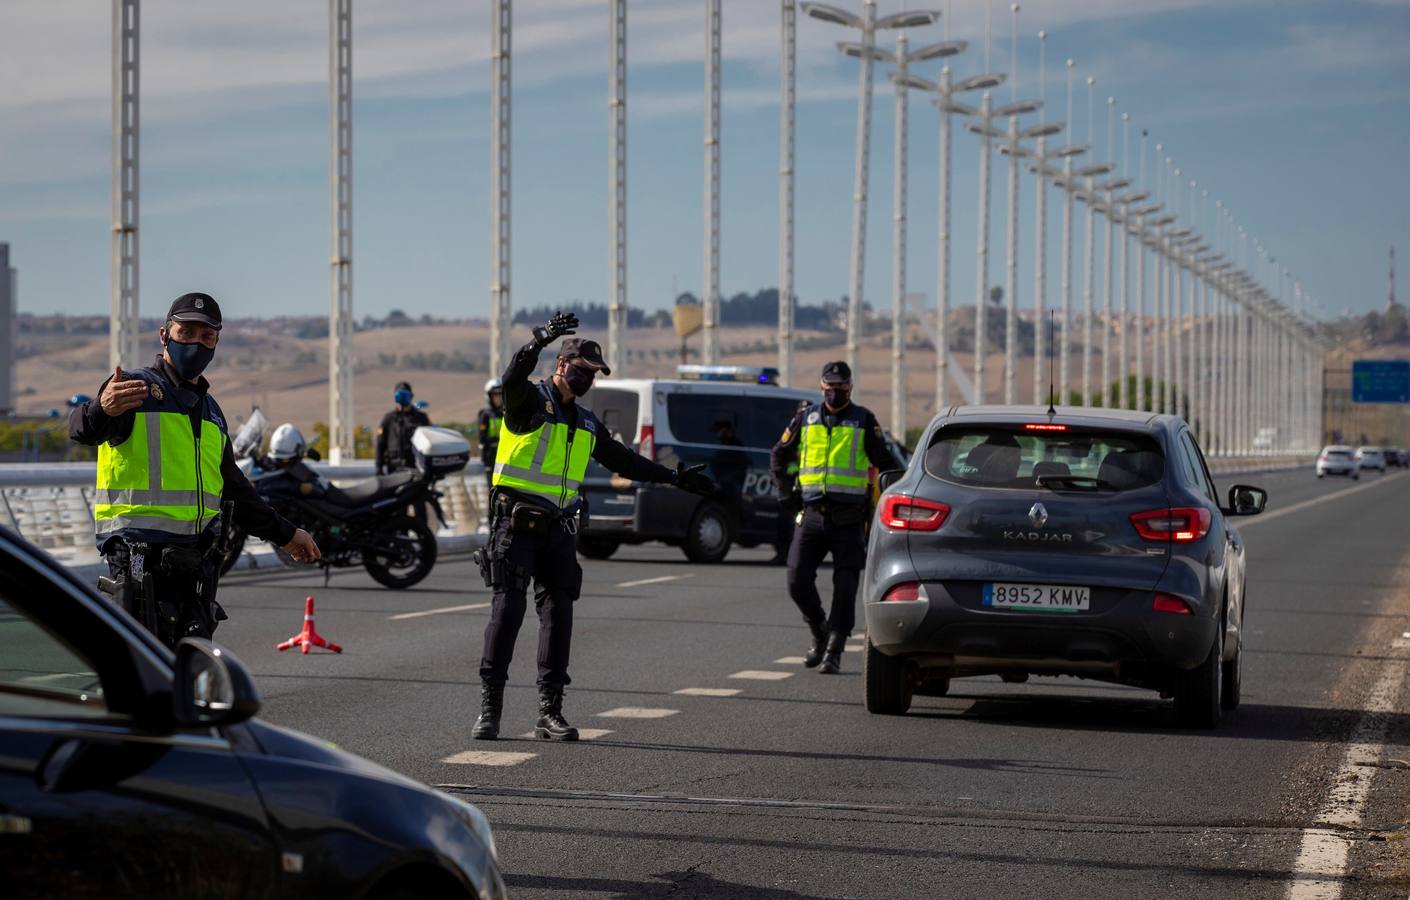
(902, 513)
(1180, 525)
(906, 590)
(1165, 603)
(646, 445)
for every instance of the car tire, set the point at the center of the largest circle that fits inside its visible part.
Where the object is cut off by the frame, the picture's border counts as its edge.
(1199, 692)
(710, 535)
(1233, 679)
(597, 547)
(888, 689)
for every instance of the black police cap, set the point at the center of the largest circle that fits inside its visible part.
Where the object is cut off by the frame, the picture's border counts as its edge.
(837, 373)
(195, 307)
(588, 351)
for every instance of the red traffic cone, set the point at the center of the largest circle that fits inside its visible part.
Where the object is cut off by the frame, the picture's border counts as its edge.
(309, 637)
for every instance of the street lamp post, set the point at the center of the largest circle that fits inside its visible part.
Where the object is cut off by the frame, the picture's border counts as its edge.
(945, 92)
(867, 52)
(711, 340)
(788, 68)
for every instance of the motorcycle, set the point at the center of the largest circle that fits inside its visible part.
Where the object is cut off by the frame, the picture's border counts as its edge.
(364, 523)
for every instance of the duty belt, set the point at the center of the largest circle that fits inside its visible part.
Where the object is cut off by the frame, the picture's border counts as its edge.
(505, 501)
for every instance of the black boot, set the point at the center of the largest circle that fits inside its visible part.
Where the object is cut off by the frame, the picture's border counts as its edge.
(832, 661)
(551, 725)
(491, 705)
(815, 653)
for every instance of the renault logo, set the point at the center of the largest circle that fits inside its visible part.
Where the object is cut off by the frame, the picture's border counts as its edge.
(1038, 515)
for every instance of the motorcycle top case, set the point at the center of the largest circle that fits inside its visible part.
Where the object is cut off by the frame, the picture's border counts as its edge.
(439, 451)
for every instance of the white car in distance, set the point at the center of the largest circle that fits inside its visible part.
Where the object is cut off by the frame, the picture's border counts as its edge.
(1371, 458)
(1337, 459)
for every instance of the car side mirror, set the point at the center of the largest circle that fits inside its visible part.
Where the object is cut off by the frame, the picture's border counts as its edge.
(888, 478)
(313, 454)
(212, 687)
(1245, 500)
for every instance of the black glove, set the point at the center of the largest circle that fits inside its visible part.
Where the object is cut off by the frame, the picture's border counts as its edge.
(559, 325)
(688, 478)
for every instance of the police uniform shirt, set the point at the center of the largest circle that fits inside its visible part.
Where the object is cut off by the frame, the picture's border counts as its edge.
(89, 425)
(785, 452)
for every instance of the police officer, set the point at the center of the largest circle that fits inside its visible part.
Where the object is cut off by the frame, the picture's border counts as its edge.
(394, 434)
(544, 448)
(833, 442)
(165, 468)
(491, 421)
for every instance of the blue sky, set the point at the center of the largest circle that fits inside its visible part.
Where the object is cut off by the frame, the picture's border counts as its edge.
(1294, 114)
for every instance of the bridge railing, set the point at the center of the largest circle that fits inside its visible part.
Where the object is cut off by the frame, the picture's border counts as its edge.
(51, 504)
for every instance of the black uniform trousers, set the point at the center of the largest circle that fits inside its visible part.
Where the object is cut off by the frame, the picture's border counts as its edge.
(178, 589)
(551, 560)
(819, 534)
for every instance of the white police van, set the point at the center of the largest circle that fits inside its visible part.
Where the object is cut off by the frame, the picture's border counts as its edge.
(727, 417)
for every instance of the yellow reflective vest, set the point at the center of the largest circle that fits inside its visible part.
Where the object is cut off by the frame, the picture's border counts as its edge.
(833, 459)
(549, 461)
(163, 483)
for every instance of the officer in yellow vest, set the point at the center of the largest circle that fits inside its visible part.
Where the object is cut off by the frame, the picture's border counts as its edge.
(491, 420)
(544, 448)
(164, 469)
(833, 443)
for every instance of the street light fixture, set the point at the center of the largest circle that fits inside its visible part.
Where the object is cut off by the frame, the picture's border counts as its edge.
(868, 24)
(945, 91)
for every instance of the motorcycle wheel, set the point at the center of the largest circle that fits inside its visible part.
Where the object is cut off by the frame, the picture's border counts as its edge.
(413, 559)
(232, 556)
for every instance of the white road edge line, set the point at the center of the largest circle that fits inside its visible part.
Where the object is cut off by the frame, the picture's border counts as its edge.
(1322, 857)
(662, 579)
(1243, 522)
(437, 612)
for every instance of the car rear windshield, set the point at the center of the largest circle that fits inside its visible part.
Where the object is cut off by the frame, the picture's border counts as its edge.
(1079, 459)
(1339, 454)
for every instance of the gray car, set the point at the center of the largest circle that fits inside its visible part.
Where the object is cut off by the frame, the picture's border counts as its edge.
(1086, 542)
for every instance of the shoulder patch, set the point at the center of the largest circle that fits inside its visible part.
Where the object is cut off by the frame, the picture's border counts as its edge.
(155, 390)
(814, 417)
(787, 433)
(548, 407)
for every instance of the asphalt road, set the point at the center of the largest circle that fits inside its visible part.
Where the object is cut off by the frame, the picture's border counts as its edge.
(787, 788)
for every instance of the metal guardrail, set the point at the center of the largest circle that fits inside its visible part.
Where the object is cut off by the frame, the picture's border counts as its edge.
(51, 504)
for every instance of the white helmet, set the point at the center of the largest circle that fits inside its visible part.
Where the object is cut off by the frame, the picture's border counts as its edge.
(494, 384)
(286, 443)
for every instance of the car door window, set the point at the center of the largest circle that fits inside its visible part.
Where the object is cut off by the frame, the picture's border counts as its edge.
(1198, 477)
(41, 675)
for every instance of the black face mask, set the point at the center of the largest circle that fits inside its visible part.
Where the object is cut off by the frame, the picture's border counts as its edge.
(579, 380)
(836, 398)
(189, 360)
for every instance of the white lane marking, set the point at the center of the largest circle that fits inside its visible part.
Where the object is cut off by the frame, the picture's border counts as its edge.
(637, 712)
(661, 579)
(437, 612)
(1242, 522)
(1322, 858)
(789, 661)
(854, 648)
(584, 734)
(488, 758)
(708, 692)
(757, 675)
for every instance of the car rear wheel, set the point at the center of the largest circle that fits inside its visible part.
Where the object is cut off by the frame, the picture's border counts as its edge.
(597, 547)
(709, 536)
(888, 688)
(1199, 692)
(1233, 678)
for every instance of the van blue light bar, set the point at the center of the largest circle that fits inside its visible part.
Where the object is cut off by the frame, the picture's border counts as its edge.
(737, 374)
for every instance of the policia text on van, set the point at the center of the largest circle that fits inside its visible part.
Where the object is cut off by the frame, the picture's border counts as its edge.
(544, 448)
(165, 471)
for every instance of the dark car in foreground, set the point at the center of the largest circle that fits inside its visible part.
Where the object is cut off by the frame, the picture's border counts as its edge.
(1086, 542)
(130, 771)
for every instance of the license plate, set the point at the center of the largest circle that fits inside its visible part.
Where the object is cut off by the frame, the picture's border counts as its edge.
(1038, 597)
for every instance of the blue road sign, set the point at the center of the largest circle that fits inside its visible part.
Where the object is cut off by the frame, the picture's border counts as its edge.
(1380, 381)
